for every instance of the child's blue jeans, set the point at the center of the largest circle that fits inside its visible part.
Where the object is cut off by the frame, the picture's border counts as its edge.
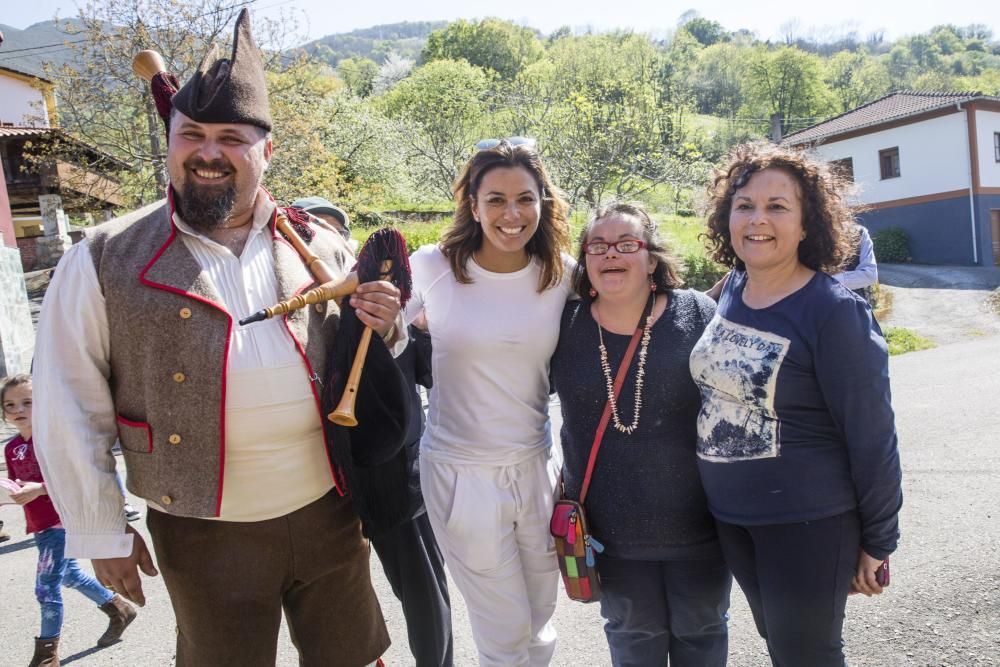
(54, 572)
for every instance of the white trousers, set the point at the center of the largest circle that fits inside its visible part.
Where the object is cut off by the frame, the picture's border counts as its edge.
(492, 524)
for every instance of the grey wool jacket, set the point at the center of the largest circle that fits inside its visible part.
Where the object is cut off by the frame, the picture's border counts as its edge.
(169, 337)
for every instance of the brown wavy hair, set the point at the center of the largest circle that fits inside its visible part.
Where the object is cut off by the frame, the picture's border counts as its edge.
(666, 274)
(9, 383)
(831, 235)
(464, 235)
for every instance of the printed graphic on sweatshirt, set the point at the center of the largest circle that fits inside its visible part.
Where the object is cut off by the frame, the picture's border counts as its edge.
(736, 368)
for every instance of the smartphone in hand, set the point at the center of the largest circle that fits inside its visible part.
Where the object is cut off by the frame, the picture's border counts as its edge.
(882, 573)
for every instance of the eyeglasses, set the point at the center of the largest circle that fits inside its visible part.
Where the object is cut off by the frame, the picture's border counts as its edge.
(625, 246)
(487, 144)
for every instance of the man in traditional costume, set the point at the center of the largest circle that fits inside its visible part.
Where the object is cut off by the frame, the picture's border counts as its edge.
(220, 425)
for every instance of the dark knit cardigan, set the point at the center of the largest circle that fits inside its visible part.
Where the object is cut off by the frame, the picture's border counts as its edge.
(645, 500)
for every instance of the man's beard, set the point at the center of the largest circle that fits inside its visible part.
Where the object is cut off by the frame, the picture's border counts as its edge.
(205, 207)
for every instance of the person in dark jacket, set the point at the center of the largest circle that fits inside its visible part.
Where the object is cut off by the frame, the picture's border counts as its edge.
(400, 531)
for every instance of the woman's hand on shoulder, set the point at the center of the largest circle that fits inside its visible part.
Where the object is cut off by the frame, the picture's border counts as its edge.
(715, 291)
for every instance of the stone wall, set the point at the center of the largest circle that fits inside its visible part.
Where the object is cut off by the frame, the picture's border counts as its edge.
(28, 245)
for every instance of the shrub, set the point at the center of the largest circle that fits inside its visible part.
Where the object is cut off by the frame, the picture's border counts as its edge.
(892, 245)
(880, 300)
(367, 219)
(416, 233)
(700, 272)
(901, 341)
(993, 301)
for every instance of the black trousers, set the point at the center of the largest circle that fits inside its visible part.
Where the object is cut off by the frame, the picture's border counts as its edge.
(414, 567)
(796, 578)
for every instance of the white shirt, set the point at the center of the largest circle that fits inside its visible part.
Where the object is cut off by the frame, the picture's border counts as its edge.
(866, 274)
(491, 341)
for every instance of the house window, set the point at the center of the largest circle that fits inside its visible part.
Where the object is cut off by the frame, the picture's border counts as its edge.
(888, 159)
(844, 168)
(996, 146)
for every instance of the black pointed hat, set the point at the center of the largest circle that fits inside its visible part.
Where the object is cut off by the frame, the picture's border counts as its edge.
(228, 90)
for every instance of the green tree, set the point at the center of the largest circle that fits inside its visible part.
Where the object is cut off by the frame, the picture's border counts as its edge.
(717, 79)
(947, 39)
(705, 31)
(443, 105)
(925, 51)
(855, 78)
(788, 82)
(359, 75)
(491, 43)
(596, 105)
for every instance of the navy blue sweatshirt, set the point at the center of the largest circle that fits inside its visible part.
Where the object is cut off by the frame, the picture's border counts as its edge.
(796, 421)
(645, 500)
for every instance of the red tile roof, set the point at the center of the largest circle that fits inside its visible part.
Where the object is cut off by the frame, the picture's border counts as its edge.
(892, 107)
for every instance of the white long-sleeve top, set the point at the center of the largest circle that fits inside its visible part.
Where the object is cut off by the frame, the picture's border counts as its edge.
(492, 341)
(866, 274)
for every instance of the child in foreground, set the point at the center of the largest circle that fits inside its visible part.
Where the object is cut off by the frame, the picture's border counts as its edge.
(54, 570)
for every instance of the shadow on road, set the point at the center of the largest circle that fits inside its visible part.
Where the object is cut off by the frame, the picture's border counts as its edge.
(922, 276)
(11, 547)
(82, 654)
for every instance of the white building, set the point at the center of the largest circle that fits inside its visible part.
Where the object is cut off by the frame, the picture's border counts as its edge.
(928, 163)
(27, 100)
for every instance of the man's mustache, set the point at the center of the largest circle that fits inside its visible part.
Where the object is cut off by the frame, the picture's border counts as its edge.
(214, 165)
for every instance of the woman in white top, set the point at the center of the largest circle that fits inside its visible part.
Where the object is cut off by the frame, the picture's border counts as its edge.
(492, 293)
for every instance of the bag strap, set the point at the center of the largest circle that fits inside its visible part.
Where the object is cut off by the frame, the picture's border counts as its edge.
(619, 381)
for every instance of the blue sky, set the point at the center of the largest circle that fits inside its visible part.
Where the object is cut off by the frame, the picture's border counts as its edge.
(895, 18)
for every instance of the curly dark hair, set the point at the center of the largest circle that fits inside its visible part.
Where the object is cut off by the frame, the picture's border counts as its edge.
(464, 235)
(666, 274)
(829, 222)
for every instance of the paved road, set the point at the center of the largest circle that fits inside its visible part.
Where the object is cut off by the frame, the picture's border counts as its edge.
(946, 304)
(943, 608)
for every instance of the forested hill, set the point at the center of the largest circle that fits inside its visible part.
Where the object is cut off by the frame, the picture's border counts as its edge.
(29, 50)
(51, 43)
(406, 39)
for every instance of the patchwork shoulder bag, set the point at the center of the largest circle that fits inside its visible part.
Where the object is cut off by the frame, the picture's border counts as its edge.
(575, 546)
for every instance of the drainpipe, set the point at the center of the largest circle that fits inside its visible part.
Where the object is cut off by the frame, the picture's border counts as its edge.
(972, 201)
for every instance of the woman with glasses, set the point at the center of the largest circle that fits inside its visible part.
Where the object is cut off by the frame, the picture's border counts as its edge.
(664, 584)
(492, 292)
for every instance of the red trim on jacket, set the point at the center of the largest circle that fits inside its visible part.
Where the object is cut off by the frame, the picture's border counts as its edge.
(338, 478)
(225, 356)
(142, 425)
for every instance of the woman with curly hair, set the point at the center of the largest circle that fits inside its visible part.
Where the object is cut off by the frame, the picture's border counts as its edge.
(492, 293)
(796, 437)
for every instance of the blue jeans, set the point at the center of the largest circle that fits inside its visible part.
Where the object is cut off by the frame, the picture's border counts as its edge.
(54, 572)
(657, 610)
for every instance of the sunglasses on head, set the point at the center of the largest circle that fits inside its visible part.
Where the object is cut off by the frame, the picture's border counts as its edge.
(625, 247)
(486, 144)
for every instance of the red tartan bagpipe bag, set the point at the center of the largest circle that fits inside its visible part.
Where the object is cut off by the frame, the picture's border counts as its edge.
(575, 546)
